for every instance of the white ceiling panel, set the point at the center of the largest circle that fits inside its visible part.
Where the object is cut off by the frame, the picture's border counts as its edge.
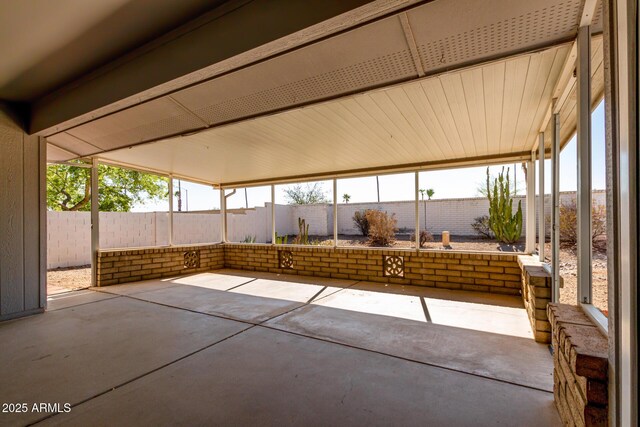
(345, 63)
(489, 28)
(494, 109)
(141, 123)
(440, 36)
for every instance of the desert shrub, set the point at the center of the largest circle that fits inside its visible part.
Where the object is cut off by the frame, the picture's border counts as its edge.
(361, 222)
(425, 237)
(569, 222)
(382, 228)
(481, 227)
(598, 221)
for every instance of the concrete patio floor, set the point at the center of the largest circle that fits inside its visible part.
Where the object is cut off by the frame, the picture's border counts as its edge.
(240, 348)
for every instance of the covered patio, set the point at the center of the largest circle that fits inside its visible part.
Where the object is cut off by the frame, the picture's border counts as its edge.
(235, 347)
(259, 94)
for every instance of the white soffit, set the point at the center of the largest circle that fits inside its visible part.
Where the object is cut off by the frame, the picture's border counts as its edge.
(443, 35)
(490, 110)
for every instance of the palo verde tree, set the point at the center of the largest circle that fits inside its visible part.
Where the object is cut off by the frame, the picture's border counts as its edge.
(307, 195)
(69, 188)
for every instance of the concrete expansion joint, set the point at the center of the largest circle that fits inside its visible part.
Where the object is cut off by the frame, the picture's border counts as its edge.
(143, 374)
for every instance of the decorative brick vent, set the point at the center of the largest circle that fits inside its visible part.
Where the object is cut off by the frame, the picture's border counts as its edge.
(286, 259)
(393, 266)
(192, 259)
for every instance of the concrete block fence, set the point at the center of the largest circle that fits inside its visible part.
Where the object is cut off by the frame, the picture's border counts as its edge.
(69, 233)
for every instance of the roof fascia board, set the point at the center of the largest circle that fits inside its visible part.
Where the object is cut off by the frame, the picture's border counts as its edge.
(235, 35)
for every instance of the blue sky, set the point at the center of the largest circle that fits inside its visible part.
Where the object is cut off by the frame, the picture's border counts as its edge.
(453, 183)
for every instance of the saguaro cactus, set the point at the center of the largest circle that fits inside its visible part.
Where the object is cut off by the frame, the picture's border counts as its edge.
(505, 225)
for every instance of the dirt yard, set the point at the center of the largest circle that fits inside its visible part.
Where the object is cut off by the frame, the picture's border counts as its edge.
(457, 243)
(68, 279)
(569, 269)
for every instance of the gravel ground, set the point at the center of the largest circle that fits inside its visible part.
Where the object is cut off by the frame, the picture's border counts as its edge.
(456, 243)
(68, 279)
(569, 269)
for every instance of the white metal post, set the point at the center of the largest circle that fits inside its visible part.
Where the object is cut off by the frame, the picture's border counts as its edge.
(531, 206)
(541, 219)
(623, 38)
(417, 210)
(170, 221)
(223, 216)
(95, 222)
(335, 212)
(273, 214)
(555, 207)
(584, 164)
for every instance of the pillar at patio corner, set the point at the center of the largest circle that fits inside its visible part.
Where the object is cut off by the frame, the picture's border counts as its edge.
(23, 253)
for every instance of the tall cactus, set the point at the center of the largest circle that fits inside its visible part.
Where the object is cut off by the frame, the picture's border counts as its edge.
(506, 226)
(303, 233)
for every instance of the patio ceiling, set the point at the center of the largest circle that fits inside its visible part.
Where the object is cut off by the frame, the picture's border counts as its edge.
(440, 83)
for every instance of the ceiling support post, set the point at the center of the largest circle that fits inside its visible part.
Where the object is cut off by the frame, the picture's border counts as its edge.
(555, 207)
(530, 231)
(170, 221)
(223, 216)
(584, 165)
(273, 214)
(417, 210)
(542, 235)
(95, 222)
(335, 213)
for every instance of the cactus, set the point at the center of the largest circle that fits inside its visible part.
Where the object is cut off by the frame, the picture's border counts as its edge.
(281, 240)
(505, 225)
(303, 233)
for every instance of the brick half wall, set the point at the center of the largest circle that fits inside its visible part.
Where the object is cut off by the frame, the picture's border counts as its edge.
(581, 367)
(536, 294)
(132, 265)
(497, 273)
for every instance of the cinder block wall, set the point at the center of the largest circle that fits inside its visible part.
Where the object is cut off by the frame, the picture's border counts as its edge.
(580, 367)
(131, 265)
(498, 273)
(536, 294)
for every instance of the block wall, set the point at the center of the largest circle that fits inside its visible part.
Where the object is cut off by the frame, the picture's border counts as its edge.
(122, 266)
(497, 273)
(536, 294)
(69, 233)
(580, 362)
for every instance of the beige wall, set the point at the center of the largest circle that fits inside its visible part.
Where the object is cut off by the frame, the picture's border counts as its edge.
(22, 220)
(69, 235)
